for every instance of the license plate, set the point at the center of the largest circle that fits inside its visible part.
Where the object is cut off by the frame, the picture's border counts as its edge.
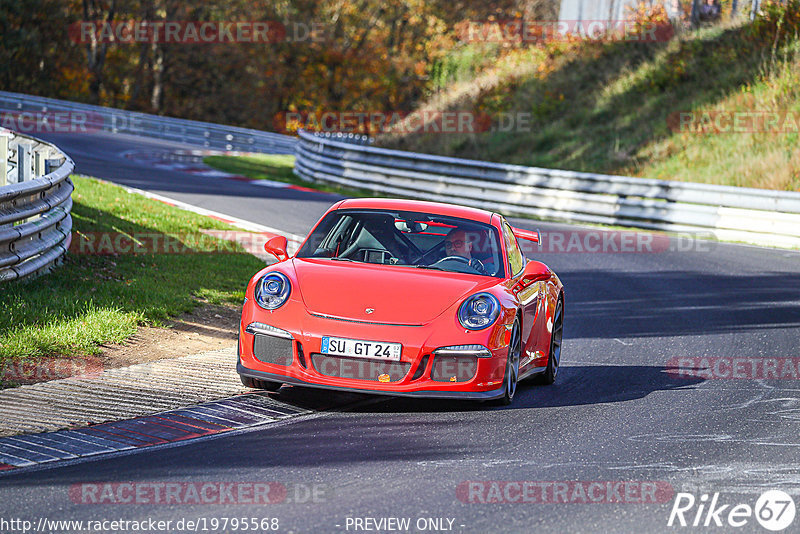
(357, 348)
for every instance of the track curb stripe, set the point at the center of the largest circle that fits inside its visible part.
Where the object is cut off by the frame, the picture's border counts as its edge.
(96, 439)
(206, 427)
(185, 424)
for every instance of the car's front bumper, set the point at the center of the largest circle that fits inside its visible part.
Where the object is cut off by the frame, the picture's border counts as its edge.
(431, 394)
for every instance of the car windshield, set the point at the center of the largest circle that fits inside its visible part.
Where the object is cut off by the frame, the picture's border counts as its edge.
(410, 239)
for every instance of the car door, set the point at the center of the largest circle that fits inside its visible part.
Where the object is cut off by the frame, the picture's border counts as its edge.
(526, 291)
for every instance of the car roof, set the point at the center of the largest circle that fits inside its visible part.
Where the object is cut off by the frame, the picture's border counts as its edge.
(434, 208)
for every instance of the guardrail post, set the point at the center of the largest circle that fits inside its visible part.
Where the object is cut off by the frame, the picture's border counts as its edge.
(51, 164)
(4, 158)
(38, 164)
(23, 163)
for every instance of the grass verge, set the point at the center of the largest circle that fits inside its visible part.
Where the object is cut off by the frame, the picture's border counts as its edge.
(95, 299)
(277, 168)
(610, 107)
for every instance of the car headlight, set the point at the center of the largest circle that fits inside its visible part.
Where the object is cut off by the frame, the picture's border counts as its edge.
(479, 311)
(272, 290)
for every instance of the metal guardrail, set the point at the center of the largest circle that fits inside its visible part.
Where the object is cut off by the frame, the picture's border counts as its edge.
(762, 217)
(35, 204)
(98, 118)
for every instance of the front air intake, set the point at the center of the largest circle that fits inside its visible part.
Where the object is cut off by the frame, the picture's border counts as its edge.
(274, 350)
(454, 368)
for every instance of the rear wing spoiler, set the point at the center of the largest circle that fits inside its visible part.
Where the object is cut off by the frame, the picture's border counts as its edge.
(529, 235)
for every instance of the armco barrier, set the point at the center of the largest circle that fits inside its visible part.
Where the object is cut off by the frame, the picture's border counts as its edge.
(35, 203)
(757, 216)
(26, 109)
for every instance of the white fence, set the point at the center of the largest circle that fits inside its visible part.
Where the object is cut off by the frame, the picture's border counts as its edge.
(756, 216)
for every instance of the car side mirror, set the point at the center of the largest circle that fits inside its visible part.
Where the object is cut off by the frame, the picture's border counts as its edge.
(277, 247)
(534, 272)
(530, 278)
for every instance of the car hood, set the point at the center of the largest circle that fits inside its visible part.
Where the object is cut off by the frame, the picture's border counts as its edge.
(398, 295)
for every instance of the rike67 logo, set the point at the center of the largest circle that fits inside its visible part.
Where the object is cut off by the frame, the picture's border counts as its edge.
(774, 510)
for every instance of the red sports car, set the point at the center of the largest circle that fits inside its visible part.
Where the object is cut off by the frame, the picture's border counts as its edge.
(403, 297)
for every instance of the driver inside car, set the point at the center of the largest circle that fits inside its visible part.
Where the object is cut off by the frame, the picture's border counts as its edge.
(457, 243)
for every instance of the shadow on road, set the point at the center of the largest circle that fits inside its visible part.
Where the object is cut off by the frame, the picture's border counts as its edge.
(576, 386)
(390, 430)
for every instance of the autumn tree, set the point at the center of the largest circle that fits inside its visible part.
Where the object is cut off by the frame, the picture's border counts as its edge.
(367, 55)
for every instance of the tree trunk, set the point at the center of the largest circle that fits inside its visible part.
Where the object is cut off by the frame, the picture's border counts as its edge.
(754, 9)
(95, 49)
(695, 17)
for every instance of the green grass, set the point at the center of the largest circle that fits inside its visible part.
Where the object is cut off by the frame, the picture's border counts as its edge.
(768, 160)
(604, 107)
(277, 168)
(97, 299)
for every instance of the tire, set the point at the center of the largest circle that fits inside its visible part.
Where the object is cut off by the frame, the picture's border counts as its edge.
(260, 384)
(556, 339)
(511, 377)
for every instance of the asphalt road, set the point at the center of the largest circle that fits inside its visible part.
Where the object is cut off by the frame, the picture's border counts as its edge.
(620, 412)
(104, 155)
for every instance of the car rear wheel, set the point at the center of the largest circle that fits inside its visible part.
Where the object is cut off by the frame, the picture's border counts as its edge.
(554, 359)
(260, 384)
(512, 365)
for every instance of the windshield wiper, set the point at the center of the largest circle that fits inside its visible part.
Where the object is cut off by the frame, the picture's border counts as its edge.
(432, 268)
(344, 259)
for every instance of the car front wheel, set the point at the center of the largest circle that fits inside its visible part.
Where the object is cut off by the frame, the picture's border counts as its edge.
(512, 365)
(554, 359)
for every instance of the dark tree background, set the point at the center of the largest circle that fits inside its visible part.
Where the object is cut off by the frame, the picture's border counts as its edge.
(372, 55)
